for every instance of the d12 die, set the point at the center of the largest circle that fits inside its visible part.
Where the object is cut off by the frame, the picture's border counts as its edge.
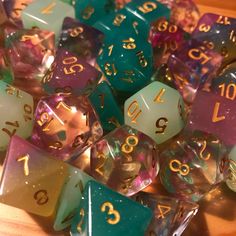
(171, 215)
(81, 39)
(156, 110)
(105, 212)
(19, 120)
(194, 164)
(126, 160)
(65, 124)
(70, 74)
(47, 15)
(192, 65)
(29, 178)
(218, 32)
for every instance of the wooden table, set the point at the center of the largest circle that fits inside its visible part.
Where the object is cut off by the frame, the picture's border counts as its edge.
(217, 214)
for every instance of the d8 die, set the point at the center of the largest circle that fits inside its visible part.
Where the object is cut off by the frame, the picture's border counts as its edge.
(65, 124)
(171, 215)
(20, 118)
(105, 212)
(70, 74)
(156, 110)
(126, 160)
(218, 32)
(194, 164)
(44, 15)
(192, 65)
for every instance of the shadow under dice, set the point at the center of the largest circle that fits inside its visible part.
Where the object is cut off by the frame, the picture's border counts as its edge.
(65, 124)
(29, 177)
(125, 160)
(171, 215)
(194, 164)
(219, 32)
(105, 212)
(17, 108)
(156, 110)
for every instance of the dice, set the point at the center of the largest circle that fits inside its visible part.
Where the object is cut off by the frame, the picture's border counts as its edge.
(192, 65)
(81, 39)
(6, 73)
(156, 110)
(126, 160)
(218, 32)
(105, 212)
(65, 124)
(194, 164)
(106, 106)
(20, 120)
(231, 179)
(46, 15)
(171, 215)
(70, 74)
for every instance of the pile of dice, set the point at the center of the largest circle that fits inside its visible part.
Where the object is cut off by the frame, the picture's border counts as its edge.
(108, 96)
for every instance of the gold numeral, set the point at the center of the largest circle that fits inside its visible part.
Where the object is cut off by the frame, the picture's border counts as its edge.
(111, 212)
(204, 145)
(71, 70)
(204, 28)
(215, 117)
(147, 7)
(45, 118)
(159, 96)
(110, 69)
(135, 24)
(76, 31)
(232, 36)
(224, 20)
(101, 97)
(110, 49)
(133, 111)
(13, 91)
(64, 106)
(26, 163)
(197, 54)
(119, 19)
(161, 127)
(164, 26)
(142, 61)
(177, 166)
(41, 197)
(57, 145)
(229, 92)
(79, 226)
(114, 121)
(130, 142)
(163, 209)
(129, 44)
(103, 158)
(87, 12)
(48, 9)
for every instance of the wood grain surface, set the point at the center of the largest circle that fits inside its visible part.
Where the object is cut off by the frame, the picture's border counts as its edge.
(217, 214)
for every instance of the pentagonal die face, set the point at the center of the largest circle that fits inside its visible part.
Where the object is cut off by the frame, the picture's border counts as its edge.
(126, 160)
(157, 110)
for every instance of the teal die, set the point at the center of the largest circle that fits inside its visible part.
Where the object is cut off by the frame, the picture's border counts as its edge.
(126, 62)
(47, 14)
(89, 11)
(106, 107)
(105, 212)
(70, 198)
(157, 110)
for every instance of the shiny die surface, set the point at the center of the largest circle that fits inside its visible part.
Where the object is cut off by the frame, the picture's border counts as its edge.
(125, 160)
(231, 180)
(105, 212)
(160, 108)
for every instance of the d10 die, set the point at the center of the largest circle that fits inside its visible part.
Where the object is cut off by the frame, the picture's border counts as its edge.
(126, 160)
(156, 110)
(105, 212)
(194, 164)
(20, 118)
(65, 124)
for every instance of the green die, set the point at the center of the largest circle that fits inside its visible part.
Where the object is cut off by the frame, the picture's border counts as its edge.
(70, 198)
(105, 212)
(47, 14)
(156, 110)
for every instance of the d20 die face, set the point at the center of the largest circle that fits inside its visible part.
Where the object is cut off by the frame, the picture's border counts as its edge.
(106, 107)
(89, 12)
(81, 39)
(65, 124)
(44, 15)
(19, 120)
(171, 215)
(29, 178)
(193, 165)
(70, 197)
(126, 160)
(71, 75)
(219, 119)
(218, 32)
(30, 52)
(231, 179)
(156, 110)
(105, 212)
